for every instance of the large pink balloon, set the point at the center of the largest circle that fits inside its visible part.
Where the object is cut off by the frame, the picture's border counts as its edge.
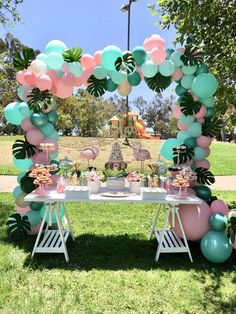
(87, 61)
(153, 42)
(86, 75)
(97, 57)
(22, 210)
(204, 141)
(182, 127)
(53, 75)
(53, 90)
(43, 82)
(68, 79)
(202, 163)
(177, 75)
(219, 206)
(26, 125)
(207, 151)
(158, 55)
(29, 78)
(40, 158)
(78, 81)
(201, 113)
(194, 220)
(176, 112)
(34, 137)
(20, 77)
(63, 91)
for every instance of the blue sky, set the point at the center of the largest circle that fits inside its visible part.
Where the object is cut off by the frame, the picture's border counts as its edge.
(89, 24)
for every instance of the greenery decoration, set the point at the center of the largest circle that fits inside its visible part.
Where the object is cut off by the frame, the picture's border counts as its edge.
(183, 157)
(231, 226)
(126, 64)
(212, 127)
(204, 176)
(22, 149)
(96, 87)
(18, 226)
(158, 83)
(72, 55)
(39, 100)
(22, 59)
(188, 105)
(27, 183)
(192, 56)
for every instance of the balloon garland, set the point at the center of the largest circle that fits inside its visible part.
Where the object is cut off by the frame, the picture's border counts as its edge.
(58, 70)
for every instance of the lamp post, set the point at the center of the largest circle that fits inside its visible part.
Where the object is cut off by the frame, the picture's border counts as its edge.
(127, 8)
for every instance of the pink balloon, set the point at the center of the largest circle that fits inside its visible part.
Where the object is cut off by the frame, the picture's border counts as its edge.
(153, 42)
(176, 112)
(181, 49)
(68, 79)
(35, 229)
(202, 163)
(204, 141)
(78, 81)
(201, 113)
(22, 210)
(63, 91)
(97, 57)
(177, 75)
(53, 75)
(194, 220)
(182, 127)
(26, 125)
(86, 75)
(142, 76)
(54, 142)
(87, 61)
(219, 206)
(201, 120)
(43, 82)
(65, 67)
(34, 137)
(158, 55)
(20, 77)
(207, 151)
(53, 90)
(40, 158)
(29, 78)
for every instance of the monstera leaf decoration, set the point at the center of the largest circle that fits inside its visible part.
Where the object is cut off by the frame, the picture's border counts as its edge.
(212, 127)
(22, 149)
(96, 87)
(22, 59)
(72, 55)
(39, 100)
(127, 63)
(158, 83)
(204, 176)
(192, 56)
(27, 183)
(188, 105)
(18, 226)
(183, 156)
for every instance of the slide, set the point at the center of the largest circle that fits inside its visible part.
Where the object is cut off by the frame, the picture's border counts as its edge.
(141, 130)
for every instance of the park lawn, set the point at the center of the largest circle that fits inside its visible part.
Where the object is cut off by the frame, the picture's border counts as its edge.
(111, 268)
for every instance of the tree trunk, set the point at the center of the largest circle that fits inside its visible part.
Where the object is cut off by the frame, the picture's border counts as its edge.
(223, 135)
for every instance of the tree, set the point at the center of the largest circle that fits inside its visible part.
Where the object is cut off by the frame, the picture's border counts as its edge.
(210, 25)
(8, 12)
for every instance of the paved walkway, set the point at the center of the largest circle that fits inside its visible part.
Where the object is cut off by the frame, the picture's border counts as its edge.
(223, 183)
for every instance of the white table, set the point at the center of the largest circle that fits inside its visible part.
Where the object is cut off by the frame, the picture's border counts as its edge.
(54, 241)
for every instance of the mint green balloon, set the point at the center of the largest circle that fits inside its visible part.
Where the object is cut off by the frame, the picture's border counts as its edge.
(55, 46)
(167, 146)
(20, 92)
(175, 57)
(47, 129)
(218, 222)
(199, 153)
(216, 247)
(16, 192)
(204, 85)
(139, 54)
(24, 110)
(75, 68)
(149, 68)
(195, 129)
(191, 142)
(55, 60)
(180, 91)
(52, 116)
(208, 102)
(186, 119)
(167, 68)
(134, 79)
(109, 56)
(55, 135)
(12, 113)
(189, 69)
(182, 136)
(53, 156)
(118, 77)
(22, 164)
(187, 80)
(20, 176)
(202, 68)
(110, 85)
(61, 213)
(33, 217)
(100, 72)
(42, 57)
(169, 52)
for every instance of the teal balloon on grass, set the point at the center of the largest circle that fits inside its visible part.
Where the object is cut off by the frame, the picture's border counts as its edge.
(167, 68)
(204, 85)
(167, 146)
(33, 217)
(139, 54)
(187, 80)
(47, 129)
(218, 222)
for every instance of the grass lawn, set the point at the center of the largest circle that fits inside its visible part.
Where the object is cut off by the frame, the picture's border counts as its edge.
(111, 268)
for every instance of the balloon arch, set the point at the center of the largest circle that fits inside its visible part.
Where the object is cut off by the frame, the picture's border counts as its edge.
(58, 70)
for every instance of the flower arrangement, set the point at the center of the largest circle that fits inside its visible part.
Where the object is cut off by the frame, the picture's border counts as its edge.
(134, 177)
(94, 175)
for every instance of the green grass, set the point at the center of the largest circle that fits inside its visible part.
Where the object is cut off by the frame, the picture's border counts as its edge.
(111, 269)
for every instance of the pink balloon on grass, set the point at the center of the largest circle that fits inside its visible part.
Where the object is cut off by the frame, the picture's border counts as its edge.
(97, 57)
(219, 206)
(43, 82)
(20, 77)
(34, 137)
(176, 112)
(29, 78)
(26, 125)
(68, 79)
(201, 113)
(87, 61)
(182, 127)
(22, 210)
(202, 164)
(158, 55)
(177, 75)
(204, 141)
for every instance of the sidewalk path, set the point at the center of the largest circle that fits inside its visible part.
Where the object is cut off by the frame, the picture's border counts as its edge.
(223, 183)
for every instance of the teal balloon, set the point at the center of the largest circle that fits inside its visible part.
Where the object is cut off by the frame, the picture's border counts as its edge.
(20, 176)
(202, 191)
(195, 129)
(17, 190)
(20, 92)
(36, 206)
(169, 52)
(55, 60)
(191, 142)
(218, 222)
(55, 135)
(33, 217)
(199, 153)
(139, 54)
(109, 56)
(208, 102)
(47, 129)
(118, 77)
(167, 146)
(100, 72)
(216, 247)
(134, 79)
(54, 155)
(75, 68)
(186, 119)
(175, 57)
(38, 119)
(12, 113)
(52, 116)
(55, 46)
(24, 110)
(180, 91)
(210, 113)
(149, 68)
(42, 57)
(167, 68)
(187, 80)
(182, 135)
(189, 69)
(204, 85)
(22, 164)
(61, 213)
(110, 85)
(20, 200)
(202, 68)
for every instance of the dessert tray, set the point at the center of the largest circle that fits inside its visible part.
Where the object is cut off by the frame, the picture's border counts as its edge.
(115, 194)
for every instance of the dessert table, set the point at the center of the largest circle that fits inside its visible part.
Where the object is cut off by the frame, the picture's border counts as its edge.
(54, 241)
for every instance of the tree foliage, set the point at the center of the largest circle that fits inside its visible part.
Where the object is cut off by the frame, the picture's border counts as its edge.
(8, 12)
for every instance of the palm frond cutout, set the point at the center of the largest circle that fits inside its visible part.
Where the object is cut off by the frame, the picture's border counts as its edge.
(17, 226)
(158, 83)
(27, 183)
(23, 58)
(39, 100)
(22, 149)
(127, 63)
(212, 127)
(183, 157)
(96, 87)
(204, 176)
(188, 105)
(192, 56)
(72, 55)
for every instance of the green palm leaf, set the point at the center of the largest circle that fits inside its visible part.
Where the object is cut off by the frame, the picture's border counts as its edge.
(39, 100)
(158, 83)
(212, 127)
(72, 55)
(183, 156)
(188, 105)
(22, 149)
(192, 56)
(22, 59)
(18, 226)
(96, 87)
(204, 176)
(127, 63)
(27, 183)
